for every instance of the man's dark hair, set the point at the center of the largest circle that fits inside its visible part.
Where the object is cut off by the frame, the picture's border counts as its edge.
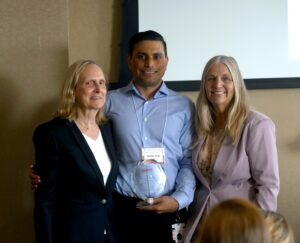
(143, 36)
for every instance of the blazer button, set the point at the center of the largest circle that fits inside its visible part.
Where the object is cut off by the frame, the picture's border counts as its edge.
(103, 201)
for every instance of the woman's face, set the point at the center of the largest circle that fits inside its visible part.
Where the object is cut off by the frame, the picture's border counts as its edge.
(90, 93)
(219, 86)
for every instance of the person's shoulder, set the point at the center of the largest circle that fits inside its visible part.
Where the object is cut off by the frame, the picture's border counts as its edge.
(113, 91)
(116, 95)
(256, 118)
(118, 91)
(54, 123)
(179, 96)
(107, 124)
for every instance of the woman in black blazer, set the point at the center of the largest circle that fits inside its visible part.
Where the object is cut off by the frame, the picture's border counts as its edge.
(75, 156)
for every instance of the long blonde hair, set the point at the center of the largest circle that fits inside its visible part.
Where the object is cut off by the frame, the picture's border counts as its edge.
(239, 106)
(66, 108)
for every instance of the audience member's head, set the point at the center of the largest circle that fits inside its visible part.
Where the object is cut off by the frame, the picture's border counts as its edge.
(280, 229)
(234, 221)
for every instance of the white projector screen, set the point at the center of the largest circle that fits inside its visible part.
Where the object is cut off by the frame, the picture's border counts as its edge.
(263, 36)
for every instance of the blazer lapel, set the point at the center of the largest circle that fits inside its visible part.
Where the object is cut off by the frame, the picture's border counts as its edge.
(110, 149)
(223, 162)
(85, 149)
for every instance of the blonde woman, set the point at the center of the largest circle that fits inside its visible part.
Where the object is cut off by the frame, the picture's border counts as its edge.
(235, 154)
(75, 156)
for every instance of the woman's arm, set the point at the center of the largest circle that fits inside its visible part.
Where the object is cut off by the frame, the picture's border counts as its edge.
(47, 166)
(263, 158)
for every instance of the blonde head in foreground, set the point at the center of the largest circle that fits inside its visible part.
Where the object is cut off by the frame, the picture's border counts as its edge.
(234, 221)
(280, 229)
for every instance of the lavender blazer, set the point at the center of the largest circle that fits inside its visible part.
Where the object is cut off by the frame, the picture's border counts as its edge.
(247, 170)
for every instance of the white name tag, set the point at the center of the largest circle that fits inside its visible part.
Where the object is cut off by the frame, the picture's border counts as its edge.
(153, 155)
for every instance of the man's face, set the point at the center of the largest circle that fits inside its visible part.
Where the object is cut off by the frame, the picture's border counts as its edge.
(148, 63)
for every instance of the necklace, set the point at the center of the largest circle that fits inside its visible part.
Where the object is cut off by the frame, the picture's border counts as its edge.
(86, 127)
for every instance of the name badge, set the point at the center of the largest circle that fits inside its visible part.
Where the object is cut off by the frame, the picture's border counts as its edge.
(153, 155)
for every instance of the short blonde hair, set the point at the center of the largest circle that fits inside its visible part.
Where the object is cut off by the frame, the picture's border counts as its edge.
(234, 221)
(280, 229)
(66, 108)
(239, 106)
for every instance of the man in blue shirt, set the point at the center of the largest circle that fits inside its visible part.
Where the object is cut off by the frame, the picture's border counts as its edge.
(151, 120)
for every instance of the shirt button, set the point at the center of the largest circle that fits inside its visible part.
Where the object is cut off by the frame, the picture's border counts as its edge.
(103, 201)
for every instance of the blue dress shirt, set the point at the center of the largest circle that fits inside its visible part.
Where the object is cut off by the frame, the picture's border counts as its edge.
(137, 122)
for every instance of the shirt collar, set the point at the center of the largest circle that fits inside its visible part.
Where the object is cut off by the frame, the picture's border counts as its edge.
(163, 90)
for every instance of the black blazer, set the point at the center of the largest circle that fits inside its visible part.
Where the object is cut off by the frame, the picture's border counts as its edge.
(72, 205)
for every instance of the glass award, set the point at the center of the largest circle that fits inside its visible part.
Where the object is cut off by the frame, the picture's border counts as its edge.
(148, 180)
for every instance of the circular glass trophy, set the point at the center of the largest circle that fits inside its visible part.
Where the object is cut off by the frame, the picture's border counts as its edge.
(148, 180)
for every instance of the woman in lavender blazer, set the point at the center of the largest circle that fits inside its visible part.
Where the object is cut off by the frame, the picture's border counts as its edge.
(235, 154)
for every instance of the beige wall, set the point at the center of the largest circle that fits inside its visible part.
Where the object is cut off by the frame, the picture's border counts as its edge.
(38, 39)
(33, 56)
(95, 32)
